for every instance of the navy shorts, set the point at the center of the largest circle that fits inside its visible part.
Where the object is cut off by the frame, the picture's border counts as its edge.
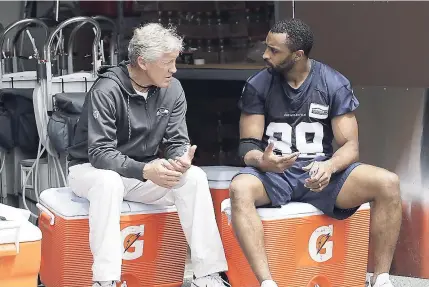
(289, 186)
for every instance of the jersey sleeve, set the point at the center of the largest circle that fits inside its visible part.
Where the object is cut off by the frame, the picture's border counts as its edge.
(343, 101)
(251, 101)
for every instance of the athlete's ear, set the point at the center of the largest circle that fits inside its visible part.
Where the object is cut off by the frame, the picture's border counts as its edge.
(299, 55)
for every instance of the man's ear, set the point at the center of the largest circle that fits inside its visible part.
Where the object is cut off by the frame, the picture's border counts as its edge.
(299, 55)
(142, 64)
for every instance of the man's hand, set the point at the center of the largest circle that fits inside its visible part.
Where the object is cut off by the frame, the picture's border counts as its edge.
(274, 163)
(157, 172)
(183, 163)
(320, 175)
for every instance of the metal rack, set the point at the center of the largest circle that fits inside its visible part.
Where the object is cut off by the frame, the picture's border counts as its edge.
(205, 72)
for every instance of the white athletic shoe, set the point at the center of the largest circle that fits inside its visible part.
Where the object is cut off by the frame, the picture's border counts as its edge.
(382, 280)
(213, 280)
(269, 283)
(104, 284)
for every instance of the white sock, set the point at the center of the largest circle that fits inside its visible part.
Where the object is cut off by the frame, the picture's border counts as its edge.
(381, 279)
(269, 283)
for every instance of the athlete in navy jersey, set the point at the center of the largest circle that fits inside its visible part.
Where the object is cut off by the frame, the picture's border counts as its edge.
(291, 113)
(298, 119)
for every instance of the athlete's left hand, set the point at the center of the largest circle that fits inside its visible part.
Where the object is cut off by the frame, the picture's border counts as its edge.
(320, 174)
(183, 163)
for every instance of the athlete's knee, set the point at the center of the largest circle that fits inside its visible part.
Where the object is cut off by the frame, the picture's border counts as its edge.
(389, 187)
(192, 176)
(108, 183)
(244, 191)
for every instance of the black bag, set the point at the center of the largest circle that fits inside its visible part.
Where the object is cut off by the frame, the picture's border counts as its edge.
(70, 103)
(19, 128)
(62, 124)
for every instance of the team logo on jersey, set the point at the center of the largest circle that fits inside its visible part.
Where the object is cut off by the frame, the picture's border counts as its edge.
(162, 112)
(318, 111)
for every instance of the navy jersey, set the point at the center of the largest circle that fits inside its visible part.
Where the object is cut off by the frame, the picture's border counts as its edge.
(299, 119)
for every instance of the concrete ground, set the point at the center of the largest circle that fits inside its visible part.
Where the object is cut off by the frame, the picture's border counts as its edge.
(398, 281)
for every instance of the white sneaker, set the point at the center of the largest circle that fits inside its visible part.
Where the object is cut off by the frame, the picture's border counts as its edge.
(213, 280)
(104, 284)
(269, 283)
(382, 280)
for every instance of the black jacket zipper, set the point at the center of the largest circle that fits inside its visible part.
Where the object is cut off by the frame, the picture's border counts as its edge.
(146, 103)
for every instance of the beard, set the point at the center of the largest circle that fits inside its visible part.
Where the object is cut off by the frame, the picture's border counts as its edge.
(283, 67)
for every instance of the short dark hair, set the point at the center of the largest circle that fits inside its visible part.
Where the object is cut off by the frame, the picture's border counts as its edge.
(299, 34)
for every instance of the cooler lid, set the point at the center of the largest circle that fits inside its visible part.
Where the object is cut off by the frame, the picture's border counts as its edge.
(290, 210)
(17, 217)
(63, 201)
(220, 173)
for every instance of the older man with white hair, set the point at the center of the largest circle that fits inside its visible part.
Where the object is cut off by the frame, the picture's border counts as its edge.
(128, 112)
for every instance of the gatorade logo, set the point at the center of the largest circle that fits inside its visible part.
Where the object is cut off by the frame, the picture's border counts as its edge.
(133, 245)
(320, 245)
(320, 241)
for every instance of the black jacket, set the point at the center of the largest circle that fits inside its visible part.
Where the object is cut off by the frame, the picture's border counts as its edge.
(121, 131)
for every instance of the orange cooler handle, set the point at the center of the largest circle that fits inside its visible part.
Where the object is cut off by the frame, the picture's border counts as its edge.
(8, 250)
(46, 213)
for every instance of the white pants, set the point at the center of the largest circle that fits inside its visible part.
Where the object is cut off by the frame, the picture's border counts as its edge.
(106, 189)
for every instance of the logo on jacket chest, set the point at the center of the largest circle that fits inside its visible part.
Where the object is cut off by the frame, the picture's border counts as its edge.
(162, 112)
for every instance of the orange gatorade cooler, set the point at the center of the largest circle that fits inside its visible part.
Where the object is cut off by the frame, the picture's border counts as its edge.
(154, 244)
(20, 248)
(219, 178)
(305, 248)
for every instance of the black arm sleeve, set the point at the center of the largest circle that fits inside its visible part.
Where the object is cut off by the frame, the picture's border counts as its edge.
(247, 145)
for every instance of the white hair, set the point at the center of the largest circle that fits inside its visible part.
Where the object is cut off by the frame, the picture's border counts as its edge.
(151, 41)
